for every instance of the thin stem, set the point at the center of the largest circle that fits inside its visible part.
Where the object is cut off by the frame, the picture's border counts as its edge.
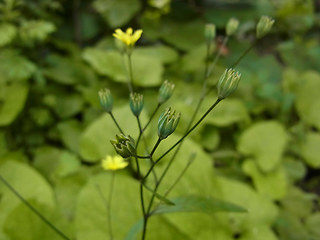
(244, 54)
(181, 139)
(109, 204)
(155, 147)
(115, 121)
(218, 55)
(130, 72)
(34, 210)
(145, 217)
(146, 145)
(181, 174)
(152, 115)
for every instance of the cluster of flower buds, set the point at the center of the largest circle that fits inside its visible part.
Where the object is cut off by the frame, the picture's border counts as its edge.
(124, 145)
(106, 100)
(167, 123)
(264, 26)
(210, 32)
(228, 83)
(232, 26)
(136, 103)
(165, 91)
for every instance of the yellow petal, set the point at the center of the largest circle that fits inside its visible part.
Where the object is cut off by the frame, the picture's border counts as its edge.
(129, 31)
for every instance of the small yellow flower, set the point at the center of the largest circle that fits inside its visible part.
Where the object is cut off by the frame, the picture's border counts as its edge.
(129, 37)
(113, 163)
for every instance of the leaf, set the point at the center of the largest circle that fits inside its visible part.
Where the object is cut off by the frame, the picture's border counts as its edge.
(272, 184)
(198, 204)
(31, 227)
(163, 53)
(70, 132)
(35, 30)
(147, 71)
(117, 12)
(14, 67)
(307, 100)
(265, 141)
(35, 187)
(13, 99)
(135, 230)
(8, 33)
(310, 150)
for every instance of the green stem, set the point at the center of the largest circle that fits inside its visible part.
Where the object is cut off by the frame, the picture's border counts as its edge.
(130, 72)
(155, 147)
(34, 210)
(244, 54)
(115, 121)
(109, 205)
(182, 138)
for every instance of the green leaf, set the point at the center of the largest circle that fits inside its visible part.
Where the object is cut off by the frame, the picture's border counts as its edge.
(147, 71)
(310, 150)
(29, 183)
(68, 105)
(163, 53)
(313, 223)
(31, 227)
(198, 204)
(307, 100)
(14, 67)
(135, 230)
(117, 12)
(8, 33)
(70, 132)
(265, 141)
(272, 184)
(13, 99)
(35, 30)
(228, 112)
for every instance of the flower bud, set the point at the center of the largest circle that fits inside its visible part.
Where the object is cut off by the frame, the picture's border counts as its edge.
(136, 103)
(232, 26)
(228, 83)
(264, 26)
(210, 32)
(106, 99)
(167, 123)
(165, 91)
(124, 145)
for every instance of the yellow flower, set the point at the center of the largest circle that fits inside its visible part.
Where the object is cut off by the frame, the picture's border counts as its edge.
(113, 163)
(129, 37)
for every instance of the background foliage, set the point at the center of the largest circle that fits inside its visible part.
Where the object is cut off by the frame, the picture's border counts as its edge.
(259, 149)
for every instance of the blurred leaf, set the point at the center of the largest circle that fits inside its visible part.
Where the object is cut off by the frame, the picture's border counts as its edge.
(14, 67)
(12, 99)
(310, 149)
(163, 53)
(29, 183)
(272, 184)
(31, 227)
(307, 100)
(228, 112)
(295, 169)
(8, 33)
(198, 204)
(35, 30)
(313, 223)
(70, 132)
(117, 12)
(265, 141)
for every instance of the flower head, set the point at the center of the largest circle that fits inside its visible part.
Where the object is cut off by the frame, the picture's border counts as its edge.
(129, 38)
(136, 103)
(167, 123)
(232, 26)
(113, 163)
(106, 99)
(228, 83)
(165, 91)
(124, 145)
(264, 26)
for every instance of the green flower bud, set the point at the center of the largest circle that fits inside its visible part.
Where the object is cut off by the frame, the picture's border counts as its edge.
(232, 26)
(136, 103)
(228, 83)
(167, 123)
(264, 26)
(165, 91)
(106, 99)
(124, 145)
(210, 32)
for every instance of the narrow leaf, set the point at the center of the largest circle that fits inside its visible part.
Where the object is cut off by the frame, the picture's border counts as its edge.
(160, 197)
(198, 204)
(135, 230)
